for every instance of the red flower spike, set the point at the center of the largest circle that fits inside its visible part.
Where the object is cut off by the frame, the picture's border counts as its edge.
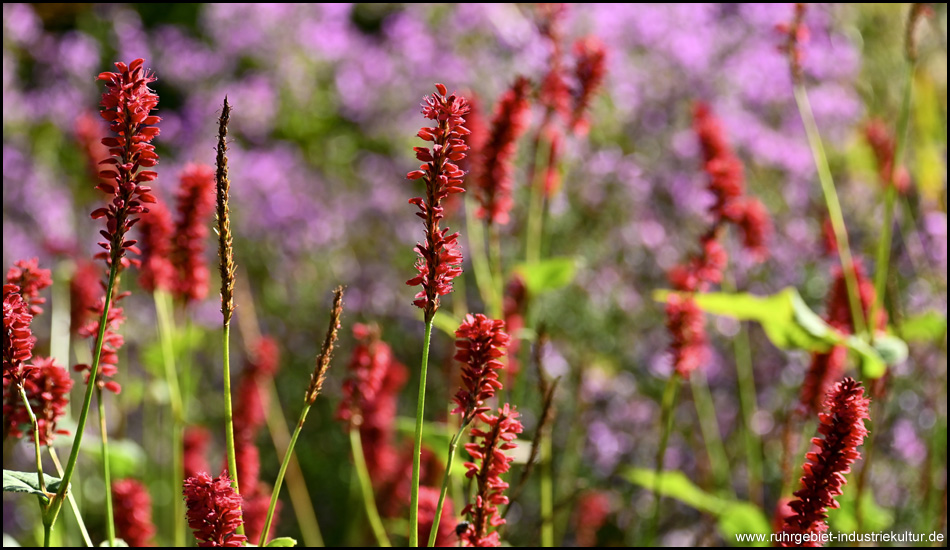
(47, 388)
(489, 462)
(18, 339)
(480, 343)
(440, 256)
(84, 291)
(590, 70)
(253, 399)
(494, 177)
(248, 459)
(155, 230)
(883, 145)
(31, 279)
(593, 508)
(842, 425)
(133, 517)
(214, 510)
(112, 341)
(428, 502)
(195, 445)
(255, 512)
(196, 202)
(513, 307)
(685, 322)
(796, 36)
(126, 106)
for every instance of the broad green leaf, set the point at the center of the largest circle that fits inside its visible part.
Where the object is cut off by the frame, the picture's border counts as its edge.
(281, 542)
(27, 482)
(890, 348)
(925, 327)
(743, 517)
(126, 457)
(844, 519)
(547, 275)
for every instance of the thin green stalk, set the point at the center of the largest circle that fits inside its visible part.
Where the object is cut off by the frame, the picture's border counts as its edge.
(72, 500)
(366, 488)
(106, 473)
(281, 473)
(547, 491)
(165, 331)
(536, 204)
(47, 531)
(228, 414)
(666, 420)
(453, 444)
(497, 271)
(40, 478)
(890, 196)
(57, 502)
(715, 450)
(475, 233)
(834, 207)
(417, 448)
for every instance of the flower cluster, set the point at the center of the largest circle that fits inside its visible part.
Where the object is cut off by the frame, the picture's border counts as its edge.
(593, 508)
(126, 105)
(112, 341)
(252, 395)
(18, 338)
(85, 287)
(196, 201)
(842, 425)
(31, 278)
(47, 388)
(214, 510)
(796, 36)
(590, 70)
(155, 237)
(883, 145)
(514, 306)
(440, 256)
(428, 502)
(133, 517)
(489, 463)
(493, 176)
(480, 345)
(195, 445)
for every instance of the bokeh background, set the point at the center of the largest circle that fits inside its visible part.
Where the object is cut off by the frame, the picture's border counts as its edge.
(325, 104)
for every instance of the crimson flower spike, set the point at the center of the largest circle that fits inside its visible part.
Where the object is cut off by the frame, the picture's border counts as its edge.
(31, 278)
(214, 510)
(481, 343)
(842, 425)
(797, 35)
(126, 105)
(196, 202)
(133, 520)
(440, 256)
(590, 71)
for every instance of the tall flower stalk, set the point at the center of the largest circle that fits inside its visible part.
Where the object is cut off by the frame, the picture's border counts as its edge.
(126, 105)
(440, 256)
(226, 268)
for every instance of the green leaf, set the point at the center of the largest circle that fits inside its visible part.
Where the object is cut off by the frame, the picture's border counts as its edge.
(547, 275)
(743, 517)
(930, 326)
(126, 457)
(890, 348)
(281, 542)
(844, 519)
(27, 482)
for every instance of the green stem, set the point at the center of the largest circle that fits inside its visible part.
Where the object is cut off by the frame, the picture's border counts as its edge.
(72, 500)
(890, 196)
(476, 247)
(366, 488)
(453, 445)
(106, 474)
(547, 491)
(497, 271)
(715, 450)
(417, 448)
(666, 420)
(57, 502)
(229, 416)
(280, 474)
(47, 531)
(834, 208)
(40, 478)
(165, 331)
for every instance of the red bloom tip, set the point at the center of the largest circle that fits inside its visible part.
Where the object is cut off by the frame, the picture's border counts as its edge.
(31, 279)
(133, 517)
(196, 202)
(489, 462)
(18, 338)
(590, 70)
(214, 510)
(126, 105)
(155, 228)
(480, 344)
(494, 172)
(842, 425)
(47, 388)
(440, 257)
(685, 322)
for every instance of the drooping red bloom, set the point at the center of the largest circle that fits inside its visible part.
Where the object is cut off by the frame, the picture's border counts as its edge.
(31, 279)
(489, 463)
(196, 202)
(253, 398)
(214, 510)
(126, 105)
(111, 342)
(370, 398)
(47, 387)
(18, 338)
(796, 36)
(883, 145)
(440, 256)
(428, 502)
(255, 512)
(133, 513)
(685, 322)
(494, 175)
(590, 70)
(84, 290)
(480, 343)
(195, 445)
(842, 425)
(593, 508)
(155, 230)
